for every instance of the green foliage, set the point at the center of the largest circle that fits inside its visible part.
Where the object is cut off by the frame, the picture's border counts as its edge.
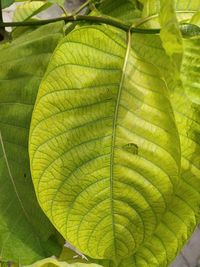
(183, 214)
(59, 2)
(29, 9)
(184, 11)
(190, 75)
(120, 9)
(170, 33)
(196, 19)
(114, 137)
(24, 230)
(51, 262)
(6, 3)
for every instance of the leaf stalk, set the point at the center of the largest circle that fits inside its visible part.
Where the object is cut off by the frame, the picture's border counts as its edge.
(2, 27)
(1, 14)
(106, 20)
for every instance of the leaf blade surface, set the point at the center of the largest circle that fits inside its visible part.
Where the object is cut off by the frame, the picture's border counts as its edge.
(183, 215)
(92, 138)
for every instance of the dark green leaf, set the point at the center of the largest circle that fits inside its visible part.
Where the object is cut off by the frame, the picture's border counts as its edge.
(25, 233)
(6, 3)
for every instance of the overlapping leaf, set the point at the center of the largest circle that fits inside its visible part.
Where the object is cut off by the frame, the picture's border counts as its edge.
(185, 9)
(120, 9)
(170, 32)
(29, 9)
(196, 19)
(25, 232)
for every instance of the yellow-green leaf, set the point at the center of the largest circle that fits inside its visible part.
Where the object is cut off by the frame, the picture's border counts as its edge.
(190, 69)
(51, 262)
(196, 19)
(183, 214)
(170, 33)
(99, 99)
(29, 9)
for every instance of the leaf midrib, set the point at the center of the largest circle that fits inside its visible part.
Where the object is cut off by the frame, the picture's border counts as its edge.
(114, 132)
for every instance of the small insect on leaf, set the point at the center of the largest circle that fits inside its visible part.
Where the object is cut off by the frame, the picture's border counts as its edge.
(131, 147)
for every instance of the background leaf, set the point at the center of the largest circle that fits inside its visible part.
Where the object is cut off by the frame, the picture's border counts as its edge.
(190, 69)
(6, 3)
(25, 233)
(29, 9)
(185, 9)
(59, 2)
(196, 19)
(170, 33)
(120, 9)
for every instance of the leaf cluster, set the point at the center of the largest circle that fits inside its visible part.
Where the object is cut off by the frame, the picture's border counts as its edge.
(100, 133)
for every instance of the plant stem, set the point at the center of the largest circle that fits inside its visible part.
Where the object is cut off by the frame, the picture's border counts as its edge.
(63, 9)
(2, 27)
(106, 20)
(1, 15)
(81, 8)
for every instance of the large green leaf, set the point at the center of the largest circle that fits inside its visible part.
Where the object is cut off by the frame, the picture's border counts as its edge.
(25, 232)
(183, 215)
(104, 147)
